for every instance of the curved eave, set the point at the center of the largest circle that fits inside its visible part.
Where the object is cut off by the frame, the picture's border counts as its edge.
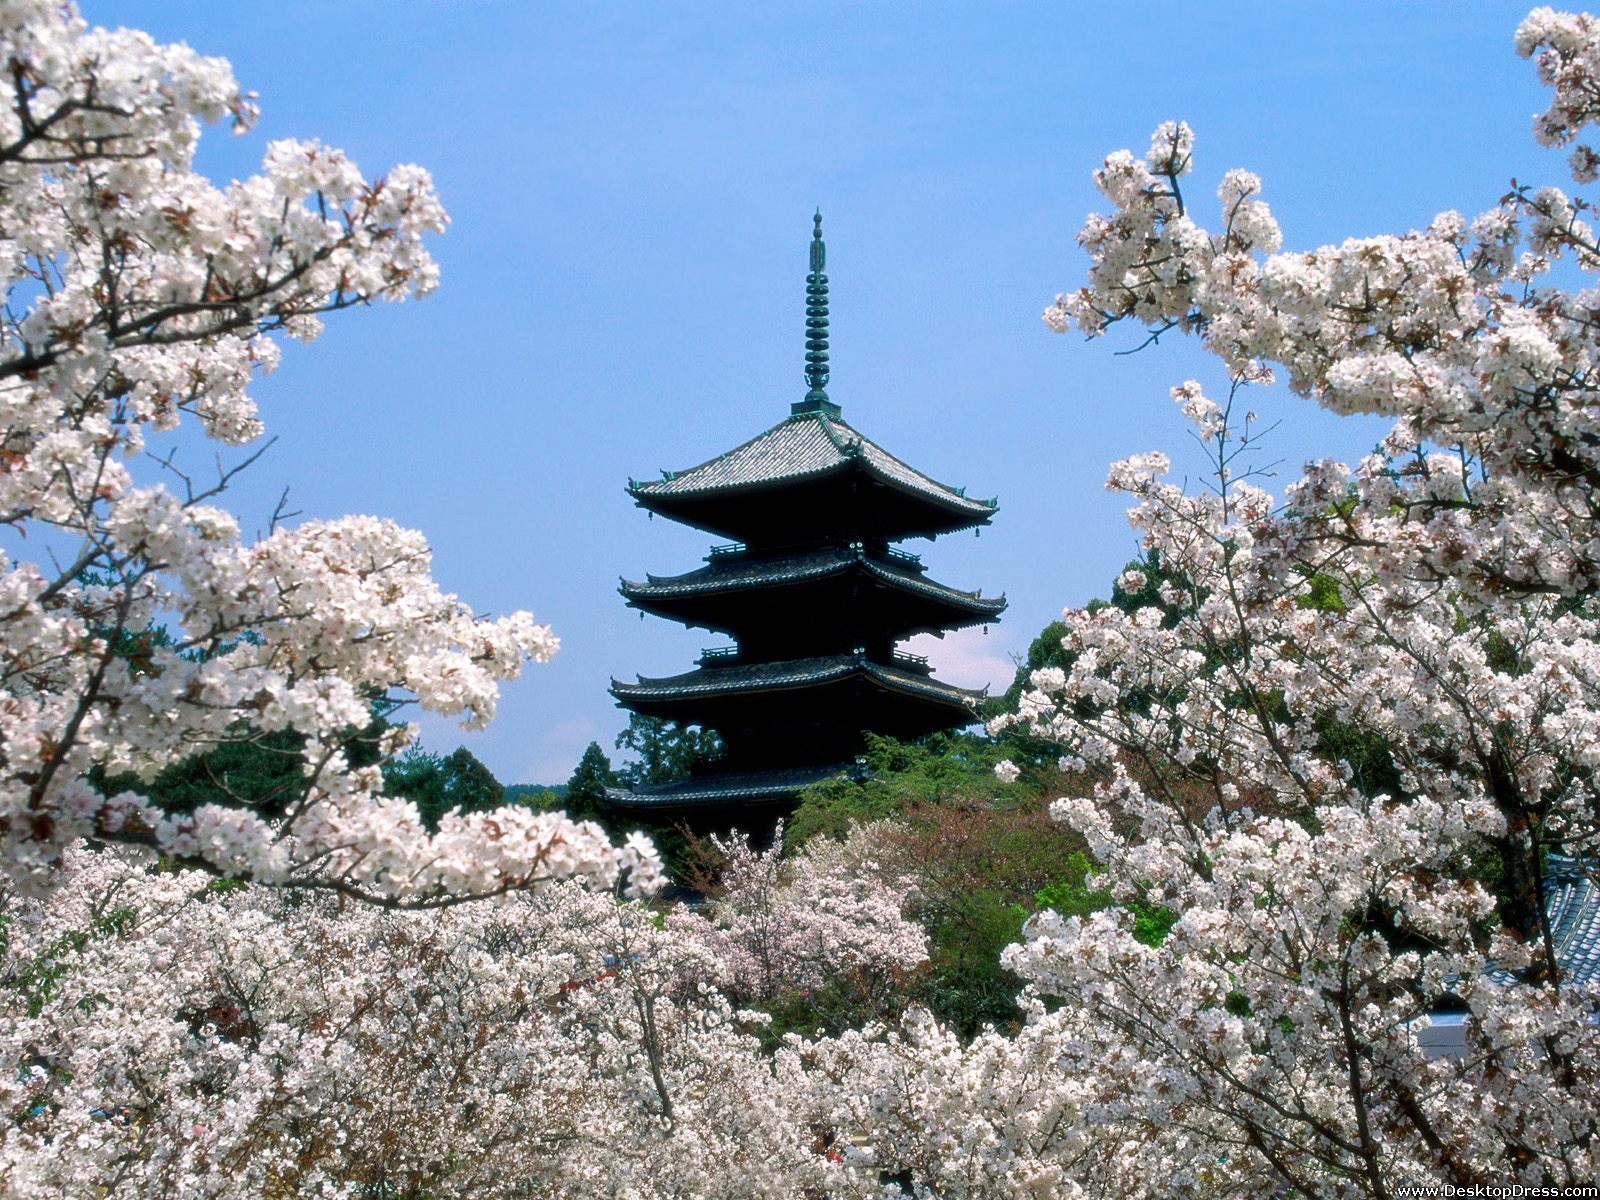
(805, 447)
(1572, 901)
(1572, 909)
(625, 801)
(676, 504)
(802, 458)
(708, 581)
(926, 685)
(976, 602)
(710, 790)
(658, 594)
(767, 678)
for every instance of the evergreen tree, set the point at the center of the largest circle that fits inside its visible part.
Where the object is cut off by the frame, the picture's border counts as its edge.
(664, 750)
(438, 784)
(586, 790)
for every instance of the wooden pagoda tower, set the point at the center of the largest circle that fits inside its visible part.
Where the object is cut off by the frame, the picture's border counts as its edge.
(815, 596)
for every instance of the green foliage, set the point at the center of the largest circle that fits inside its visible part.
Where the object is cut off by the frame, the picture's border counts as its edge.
(966, 986)
(254, 770)
(663, 750)
(984, 854)
(263, 771)
(979, 851)
(36, 980)
(834, 1008)
(1072, 896)
(440, 784)
(537, 798)
(1369, 756)
(586, 790)
(1150, 594)
(1152, 922)
(900, 774)
(260, 771)
(831, 808)
(541, 796)
(1076, 896)
(1322, 594)
(1045, 650)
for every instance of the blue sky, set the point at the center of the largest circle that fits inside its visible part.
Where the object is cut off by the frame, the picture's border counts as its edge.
(631, 188)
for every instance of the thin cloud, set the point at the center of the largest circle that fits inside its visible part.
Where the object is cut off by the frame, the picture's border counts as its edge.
(968, 658)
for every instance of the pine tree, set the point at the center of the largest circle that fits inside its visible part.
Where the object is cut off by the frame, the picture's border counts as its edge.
(586, 790)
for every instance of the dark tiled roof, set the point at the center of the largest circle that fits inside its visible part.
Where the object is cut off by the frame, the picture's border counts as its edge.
(717, 787)
(760, 677)
(735, 574)
(802, 447)
(1572, 900)
(1572, 904)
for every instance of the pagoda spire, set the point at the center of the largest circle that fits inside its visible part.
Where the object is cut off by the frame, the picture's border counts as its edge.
(816, 400)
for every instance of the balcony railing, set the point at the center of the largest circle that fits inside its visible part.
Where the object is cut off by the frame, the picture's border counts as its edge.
(909, 561)
(904, 558)
(912, 662)
(731, 550)
(722, 656)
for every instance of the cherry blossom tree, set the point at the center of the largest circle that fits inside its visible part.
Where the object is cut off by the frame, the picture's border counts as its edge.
(179, 1037)
(140, 298)
(1384, 688)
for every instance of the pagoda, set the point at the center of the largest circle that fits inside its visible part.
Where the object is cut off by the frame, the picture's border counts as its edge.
(815, 596)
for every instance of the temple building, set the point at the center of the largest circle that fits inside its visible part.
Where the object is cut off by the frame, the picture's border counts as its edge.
(815, 596)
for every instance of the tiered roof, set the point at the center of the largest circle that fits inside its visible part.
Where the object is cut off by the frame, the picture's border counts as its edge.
(1572, 906)
(1572, 900)
(810, 472)
(803, 711)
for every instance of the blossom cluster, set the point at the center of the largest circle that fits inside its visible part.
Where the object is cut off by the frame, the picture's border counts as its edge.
(178, 1035)
(788, 926)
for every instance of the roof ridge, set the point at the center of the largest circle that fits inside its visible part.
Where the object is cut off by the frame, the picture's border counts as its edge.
(889, 674)
(808, 447)
(850, 448)
(895, 458)
(929, 584)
